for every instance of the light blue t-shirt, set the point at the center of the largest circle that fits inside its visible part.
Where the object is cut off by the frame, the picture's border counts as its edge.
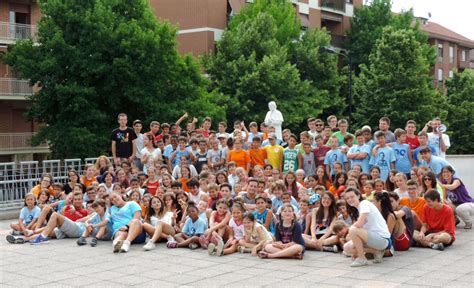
(384, 157)
(194, 228)
(436, 164)
(402, 164)
(120, 217)
(364, 163)
(28, 216)
(335, 156)
(277, 203)
(96, 218)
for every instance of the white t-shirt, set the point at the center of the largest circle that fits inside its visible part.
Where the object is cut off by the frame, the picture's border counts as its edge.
(239, 230)
(167, 218)
(433, 140)
(151, 159)
(375, 222)
(401, 193)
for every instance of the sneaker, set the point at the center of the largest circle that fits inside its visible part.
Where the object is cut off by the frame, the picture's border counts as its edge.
(39, 240)
(81, 241)
(437, 246)
(15, 233)
(150, 245)
(172, 244)
(117, 244)
(330, 249)
(15, 240)
(94, 242)
(193, 246)
(211, 249)
(125, 246)
(468, 226)
(220, 247)
(378, 256)
(359, 262)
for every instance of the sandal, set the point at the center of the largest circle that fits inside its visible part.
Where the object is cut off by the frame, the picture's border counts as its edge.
(172, 244)
(263, 255)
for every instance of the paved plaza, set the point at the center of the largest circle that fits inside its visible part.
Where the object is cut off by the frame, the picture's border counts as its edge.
(61, 263)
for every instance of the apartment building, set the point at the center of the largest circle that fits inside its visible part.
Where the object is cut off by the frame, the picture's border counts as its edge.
(454, 51)
(200, 24)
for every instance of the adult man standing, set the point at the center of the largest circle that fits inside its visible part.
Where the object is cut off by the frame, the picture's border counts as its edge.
(123, 141)
(384, 126)
(137, 128)
(436, 138)
(274, 118)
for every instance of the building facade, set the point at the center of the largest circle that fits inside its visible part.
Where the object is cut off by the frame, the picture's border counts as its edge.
(454, 51)
(200, 25)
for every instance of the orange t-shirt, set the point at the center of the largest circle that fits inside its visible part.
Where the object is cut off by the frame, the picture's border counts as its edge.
(337, 191)
(241, 158)
(184, 184)
(257, 157)
(417, 206)
(37, 189)
(86, 182)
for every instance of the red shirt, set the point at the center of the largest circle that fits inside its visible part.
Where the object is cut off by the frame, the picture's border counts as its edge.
(78, 214)
(440, 220)
(152, 186)
(413, 142)
(320, 154)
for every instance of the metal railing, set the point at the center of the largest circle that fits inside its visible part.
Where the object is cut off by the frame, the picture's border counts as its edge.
(14, 31)
(14, 87)
(338, 5)
(16, 141)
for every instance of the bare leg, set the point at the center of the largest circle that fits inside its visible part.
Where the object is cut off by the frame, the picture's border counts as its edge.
(288, 252)
(359, 237)
(135, 228)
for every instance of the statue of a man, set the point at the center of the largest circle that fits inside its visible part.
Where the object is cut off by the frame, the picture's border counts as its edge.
(274, 118)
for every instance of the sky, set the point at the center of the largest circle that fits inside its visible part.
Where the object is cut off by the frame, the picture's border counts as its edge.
(456, 15)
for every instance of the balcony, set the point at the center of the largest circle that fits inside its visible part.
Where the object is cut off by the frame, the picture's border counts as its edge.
(11, 32)
(15, 89)
(336, 5)
(15, 143)
(337, 40)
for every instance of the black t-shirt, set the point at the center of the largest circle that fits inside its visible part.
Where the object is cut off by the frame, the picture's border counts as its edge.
(201, 160)
(123, 142)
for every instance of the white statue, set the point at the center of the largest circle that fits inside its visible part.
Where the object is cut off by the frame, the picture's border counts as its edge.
(274, 118)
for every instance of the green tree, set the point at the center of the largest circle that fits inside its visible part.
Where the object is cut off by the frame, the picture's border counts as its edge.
(460, 106)
(96, 58)
(263, 56)
(397, 83)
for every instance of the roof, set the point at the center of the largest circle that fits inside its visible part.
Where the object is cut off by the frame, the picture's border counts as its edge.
(436, 30)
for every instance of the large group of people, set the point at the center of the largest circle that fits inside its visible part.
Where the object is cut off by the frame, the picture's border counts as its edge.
(258, 190)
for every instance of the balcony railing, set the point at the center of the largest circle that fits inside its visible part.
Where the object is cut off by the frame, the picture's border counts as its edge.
(11, 32)
(17, 141)
(338, 5)
(13, 88)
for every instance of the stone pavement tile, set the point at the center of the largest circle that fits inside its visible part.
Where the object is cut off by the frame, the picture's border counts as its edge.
(316, 264)
(6, 276)
(128, 279)
(443, 276)
(297, 283)
(365, 275)
(181, 279)
(157, 273)
(408, 272)
(428, 281)
(78, 281)
(249, 262)
(312, 277)
(300, 269)
(27, 281)
(54, 285)
(207, 272)
(281, 274)
(377, 284)
(105, 275)
(397, 278)
(176, 268)
(213, 283)
(342, 281)
(260, 280)
(255, 271)
(155, 283)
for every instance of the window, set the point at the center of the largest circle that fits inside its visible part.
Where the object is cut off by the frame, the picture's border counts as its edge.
(451, 54)
(440, 75)
(450, 73)
(463, 55)
(440, 52)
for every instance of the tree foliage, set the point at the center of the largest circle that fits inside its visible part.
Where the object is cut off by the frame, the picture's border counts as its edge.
(262, 56)
(460, 107)
(96, 58)
(397, 83)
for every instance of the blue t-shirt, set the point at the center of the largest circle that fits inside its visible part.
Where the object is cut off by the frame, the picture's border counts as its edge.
(402, 164)
(120, 217)
(436, 164)
(335, 156)
(277, 203)
(28, 216)
(196, 228)
(96, 218)
(364, 163)
(384, 157)
(416, 153)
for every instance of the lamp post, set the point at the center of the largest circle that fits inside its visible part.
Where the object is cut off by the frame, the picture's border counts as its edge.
(346, 54)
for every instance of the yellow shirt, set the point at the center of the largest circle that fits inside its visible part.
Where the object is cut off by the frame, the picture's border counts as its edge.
(274, 155)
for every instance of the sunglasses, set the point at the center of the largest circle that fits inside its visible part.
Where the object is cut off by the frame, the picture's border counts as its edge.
(424, 179)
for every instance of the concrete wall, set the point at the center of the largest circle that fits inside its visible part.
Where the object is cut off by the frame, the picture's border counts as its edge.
(463, 164)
